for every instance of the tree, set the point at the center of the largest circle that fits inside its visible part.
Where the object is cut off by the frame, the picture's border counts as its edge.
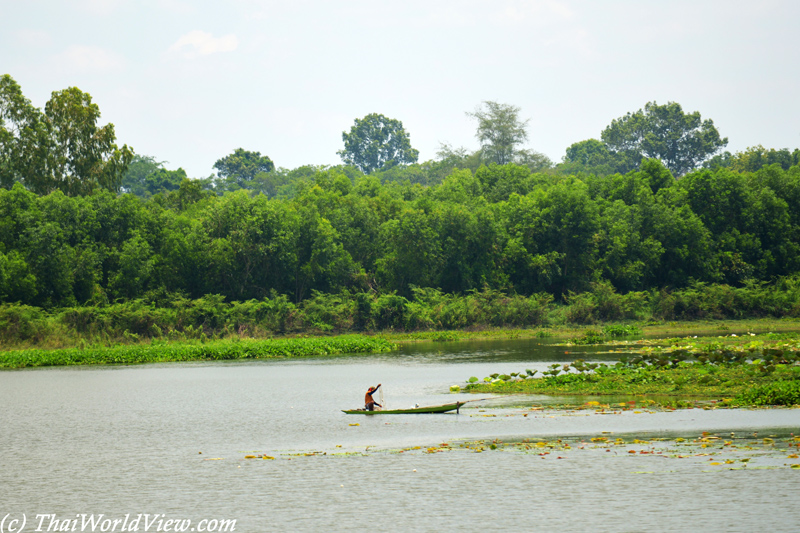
(17, 283)
(500, 131)
(136, 266)
(590, 152)
(62, 148)
(594, 157)
(412, 252)
(535, 161)
(723, 160)
(757, 157)
(500, 181)
(163, 180)
(239, 169)
(81, 156)
(23, 136)
(140, 167)
(189, 192)
(377, 142)
(681, 141)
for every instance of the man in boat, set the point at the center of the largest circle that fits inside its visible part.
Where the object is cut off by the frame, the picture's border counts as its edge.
(369, 402)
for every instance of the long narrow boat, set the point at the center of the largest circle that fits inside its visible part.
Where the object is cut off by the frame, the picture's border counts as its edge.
(411, 411)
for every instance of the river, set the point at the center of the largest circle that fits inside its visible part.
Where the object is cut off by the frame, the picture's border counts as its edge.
(172, 440)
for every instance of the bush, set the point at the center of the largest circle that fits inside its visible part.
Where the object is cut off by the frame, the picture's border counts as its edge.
(621, 331)
(20, 323)
(389, 311)
(326, 312)
(581, 308)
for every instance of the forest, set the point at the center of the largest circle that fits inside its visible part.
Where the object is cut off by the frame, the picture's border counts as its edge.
(652, 220)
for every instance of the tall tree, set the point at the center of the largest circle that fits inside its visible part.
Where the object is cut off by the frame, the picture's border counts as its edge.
(500, 131)
(23, 136)
(377, 142)
(81, 157)
(239, 169)
(680, 140)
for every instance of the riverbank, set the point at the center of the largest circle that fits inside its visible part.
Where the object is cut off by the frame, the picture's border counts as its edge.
(608, 330)
(650, 337)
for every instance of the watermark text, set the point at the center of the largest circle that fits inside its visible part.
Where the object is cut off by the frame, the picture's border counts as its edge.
(17, 523)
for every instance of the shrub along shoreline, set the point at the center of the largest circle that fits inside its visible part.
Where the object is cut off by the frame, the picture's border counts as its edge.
(173, 318)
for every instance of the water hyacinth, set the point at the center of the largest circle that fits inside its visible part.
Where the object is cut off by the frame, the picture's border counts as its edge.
(216, 351)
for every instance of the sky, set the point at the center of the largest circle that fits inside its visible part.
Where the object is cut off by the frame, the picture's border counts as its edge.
(188, 82)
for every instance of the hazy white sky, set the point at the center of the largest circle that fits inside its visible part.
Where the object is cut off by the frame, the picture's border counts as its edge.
(189, 81)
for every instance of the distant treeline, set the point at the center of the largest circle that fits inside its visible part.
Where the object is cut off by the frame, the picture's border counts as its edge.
(498, 228)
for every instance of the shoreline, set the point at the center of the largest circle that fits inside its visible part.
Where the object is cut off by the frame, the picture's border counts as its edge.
(754, 362)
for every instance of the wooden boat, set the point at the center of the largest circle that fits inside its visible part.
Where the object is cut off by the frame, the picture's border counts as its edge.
(410, 411)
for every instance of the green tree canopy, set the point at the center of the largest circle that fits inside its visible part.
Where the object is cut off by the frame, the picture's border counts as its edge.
(163, 180)
(376, 142)
(592, 156)
(754, 158)
(239, 169)
(757, 157)
(680, 140)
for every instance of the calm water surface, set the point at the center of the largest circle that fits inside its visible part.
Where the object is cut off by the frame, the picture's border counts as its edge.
(172, 438)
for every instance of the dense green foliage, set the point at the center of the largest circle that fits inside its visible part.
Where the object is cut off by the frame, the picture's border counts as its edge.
(490, 238)
(780, 393)
(180, 319)
(441, 237)
(501, 228)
